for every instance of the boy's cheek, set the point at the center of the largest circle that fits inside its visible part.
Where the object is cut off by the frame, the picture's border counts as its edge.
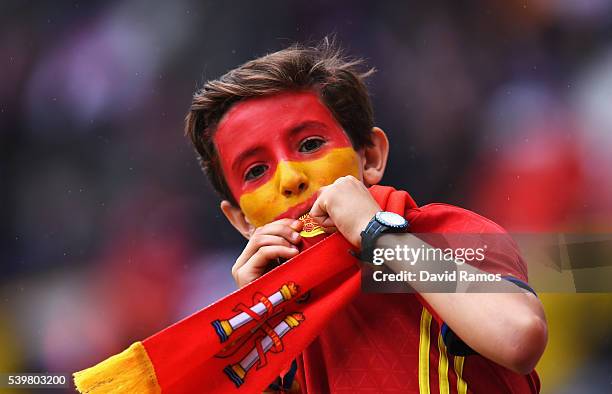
(258, 208)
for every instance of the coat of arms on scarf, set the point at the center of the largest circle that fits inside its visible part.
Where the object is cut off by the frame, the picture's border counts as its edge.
(270, 325)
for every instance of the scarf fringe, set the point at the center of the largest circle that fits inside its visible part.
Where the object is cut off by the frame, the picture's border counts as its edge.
(130, 371)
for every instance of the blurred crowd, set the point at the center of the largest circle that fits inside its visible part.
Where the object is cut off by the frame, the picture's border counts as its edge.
(110, 231)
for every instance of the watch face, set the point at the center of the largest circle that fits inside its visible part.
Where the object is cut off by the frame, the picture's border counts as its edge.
(391, 219)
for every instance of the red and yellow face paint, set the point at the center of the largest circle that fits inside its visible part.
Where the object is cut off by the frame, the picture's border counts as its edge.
(277, 151)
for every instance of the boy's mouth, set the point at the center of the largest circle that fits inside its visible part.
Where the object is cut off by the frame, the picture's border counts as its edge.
(298, 210)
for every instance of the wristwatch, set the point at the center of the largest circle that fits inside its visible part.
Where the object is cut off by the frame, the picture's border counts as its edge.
(382, 222)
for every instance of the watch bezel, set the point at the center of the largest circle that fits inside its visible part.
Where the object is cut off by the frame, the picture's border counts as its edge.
(380, 219)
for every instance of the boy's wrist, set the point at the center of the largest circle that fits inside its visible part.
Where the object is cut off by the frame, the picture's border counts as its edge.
(381, 222)
(363, 222)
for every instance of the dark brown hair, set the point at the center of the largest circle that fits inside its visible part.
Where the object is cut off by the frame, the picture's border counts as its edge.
(322, 68)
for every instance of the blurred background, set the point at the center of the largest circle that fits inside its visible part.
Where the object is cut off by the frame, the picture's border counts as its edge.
(110, 232)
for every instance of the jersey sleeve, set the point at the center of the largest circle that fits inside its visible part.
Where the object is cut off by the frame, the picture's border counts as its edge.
(461, 228)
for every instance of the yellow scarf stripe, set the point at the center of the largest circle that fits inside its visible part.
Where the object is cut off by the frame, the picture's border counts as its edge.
(442, 367)
(130, 371)
(461, 383)
(424, 352)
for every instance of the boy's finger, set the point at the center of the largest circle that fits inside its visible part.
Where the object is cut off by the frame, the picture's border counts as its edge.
(329, 230)
(254, 267)
(285, 228)
(287, 222)
(264, 255)
(327, 222)
(267, 239)
(255, 244)
(261, 240)
(319, 211)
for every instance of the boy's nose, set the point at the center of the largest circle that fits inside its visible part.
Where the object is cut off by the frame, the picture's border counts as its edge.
(292, 180)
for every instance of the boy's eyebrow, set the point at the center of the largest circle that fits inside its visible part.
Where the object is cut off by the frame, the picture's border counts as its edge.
(307, 124)
(244, 155)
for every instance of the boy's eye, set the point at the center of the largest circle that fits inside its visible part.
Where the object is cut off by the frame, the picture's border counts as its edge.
(255, 172)
(311, 144)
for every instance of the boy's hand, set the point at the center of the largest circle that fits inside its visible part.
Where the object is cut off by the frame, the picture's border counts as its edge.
(267, 243)
(346, 205)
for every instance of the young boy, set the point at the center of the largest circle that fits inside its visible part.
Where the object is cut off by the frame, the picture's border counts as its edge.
(292, 133)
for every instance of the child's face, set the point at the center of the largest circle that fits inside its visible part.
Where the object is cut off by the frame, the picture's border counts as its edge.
(277, 151)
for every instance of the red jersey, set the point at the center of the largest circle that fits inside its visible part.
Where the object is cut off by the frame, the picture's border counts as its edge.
(389, 343)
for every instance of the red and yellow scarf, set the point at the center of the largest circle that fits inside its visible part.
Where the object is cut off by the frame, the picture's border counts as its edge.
(242, 342)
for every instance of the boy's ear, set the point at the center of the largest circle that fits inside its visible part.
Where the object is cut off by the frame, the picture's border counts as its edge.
(237, 219)
(374, 158)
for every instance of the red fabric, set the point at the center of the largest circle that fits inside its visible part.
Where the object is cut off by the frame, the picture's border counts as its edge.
(350, 342)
